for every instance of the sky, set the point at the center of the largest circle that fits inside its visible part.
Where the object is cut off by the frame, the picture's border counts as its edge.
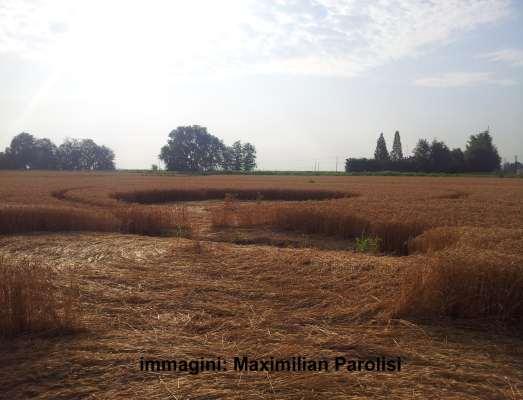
(305, 81)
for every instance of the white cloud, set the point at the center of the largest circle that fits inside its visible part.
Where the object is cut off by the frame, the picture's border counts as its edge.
(513, 57)
(189, 36)
(462, 79)
(349, 37)
(29, 27)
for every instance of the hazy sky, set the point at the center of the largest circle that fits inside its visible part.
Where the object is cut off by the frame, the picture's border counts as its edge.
(302, 80)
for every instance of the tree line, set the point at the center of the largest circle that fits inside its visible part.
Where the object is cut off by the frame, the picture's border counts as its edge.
(29, 152)
(480, 155)
(192, 148)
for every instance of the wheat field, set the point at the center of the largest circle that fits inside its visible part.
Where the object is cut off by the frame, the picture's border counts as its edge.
(100, 269)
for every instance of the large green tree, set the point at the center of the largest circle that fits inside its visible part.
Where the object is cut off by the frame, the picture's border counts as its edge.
(95, 157)
(88, 153)
(192, 148)
(28, 152)
(104, 158)
(440, 157)
(480, 154)
(70, 154)
(421, 155)
(45, 155)
(457, 161)
(381, 153)
(76, 155)
(22, 150)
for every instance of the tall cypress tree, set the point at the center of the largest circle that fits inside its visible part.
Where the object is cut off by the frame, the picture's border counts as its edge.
(381, 153)
(397, 152)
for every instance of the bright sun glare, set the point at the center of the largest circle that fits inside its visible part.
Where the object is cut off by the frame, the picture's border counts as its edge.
(131, 51)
